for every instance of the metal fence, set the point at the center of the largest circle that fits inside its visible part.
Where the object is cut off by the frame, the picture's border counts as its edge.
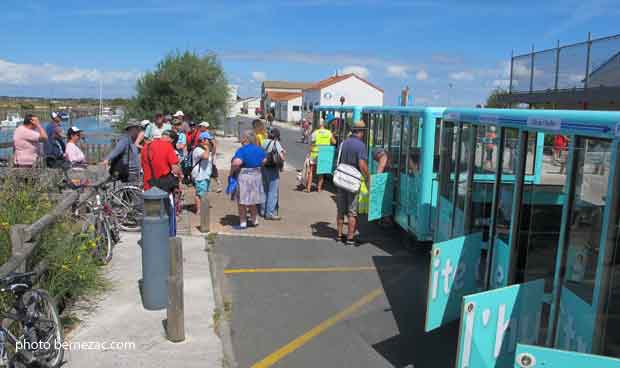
(589, 64)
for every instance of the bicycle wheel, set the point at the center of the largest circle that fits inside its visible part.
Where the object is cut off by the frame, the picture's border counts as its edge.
(126, 204)
(98, 230)
(46, 328)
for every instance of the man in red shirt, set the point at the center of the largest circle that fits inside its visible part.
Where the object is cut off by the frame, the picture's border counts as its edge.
(159, 154)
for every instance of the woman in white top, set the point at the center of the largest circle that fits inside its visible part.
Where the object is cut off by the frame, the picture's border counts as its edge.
(73, 153)
(201, 167)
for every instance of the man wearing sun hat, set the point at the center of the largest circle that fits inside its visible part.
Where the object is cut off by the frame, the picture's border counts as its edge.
(353, 152)
(124, 157)
(54, 147)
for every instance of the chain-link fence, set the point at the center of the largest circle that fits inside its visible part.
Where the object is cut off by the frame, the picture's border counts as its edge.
(589, 64)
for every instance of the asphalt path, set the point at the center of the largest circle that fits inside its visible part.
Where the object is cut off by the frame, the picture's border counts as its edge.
(290, 138)
(364, 307)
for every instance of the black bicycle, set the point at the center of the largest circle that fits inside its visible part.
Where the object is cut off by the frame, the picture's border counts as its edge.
(31, 334)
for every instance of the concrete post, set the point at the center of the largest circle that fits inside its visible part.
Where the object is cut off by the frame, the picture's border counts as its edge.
(205, 216)
(175, 314)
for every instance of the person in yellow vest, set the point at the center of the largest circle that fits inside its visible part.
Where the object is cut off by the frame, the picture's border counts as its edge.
(320, 137)
(259, 130)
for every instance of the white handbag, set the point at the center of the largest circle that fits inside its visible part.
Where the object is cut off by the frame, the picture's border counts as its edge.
(347, 177)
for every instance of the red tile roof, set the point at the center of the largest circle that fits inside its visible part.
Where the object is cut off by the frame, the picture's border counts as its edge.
(338, 78)
(282, 96)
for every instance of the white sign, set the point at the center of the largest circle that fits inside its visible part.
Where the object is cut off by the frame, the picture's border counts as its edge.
(545, 123)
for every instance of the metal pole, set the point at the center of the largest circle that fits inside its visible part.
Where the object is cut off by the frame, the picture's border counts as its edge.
(587, 78)
(512, 62)
(557, 66)
(532, 70)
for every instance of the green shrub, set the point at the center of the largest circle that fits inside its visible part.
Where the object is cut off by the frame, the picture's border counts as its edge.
(72, 270)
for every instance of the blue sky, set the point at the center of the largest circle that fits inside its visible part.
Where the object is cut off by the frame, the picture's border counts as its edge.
(59, 49)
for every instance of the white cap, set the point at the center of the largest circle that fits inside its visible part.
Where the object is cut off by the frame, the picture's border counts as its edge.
(204, 124)
(144, 123)
(178, 114)
(75, 129)
(55, 115)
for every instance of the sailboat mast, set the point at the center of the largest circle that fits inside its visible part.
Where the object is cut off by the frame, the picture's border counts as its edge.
(100, 99)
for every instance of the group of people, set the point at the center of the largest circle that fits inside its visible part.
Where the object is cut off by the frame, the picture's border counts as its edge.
(170, 151)
(254, 177)
(59, 150)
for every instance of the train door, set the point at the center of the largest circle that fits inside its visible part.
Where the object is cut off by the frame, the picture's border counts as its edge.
(586, 298)
(457, 250)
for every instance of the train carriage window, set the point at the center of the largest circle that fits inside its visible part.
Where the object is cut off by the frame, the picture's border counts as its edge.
(448, 147)
(506, 190)
(540, 220)
(485, 162)
(413, 155)
(378, 133)
(461, 213)
(610, 323)
(395, 140)
(591, 174)
(486, 150)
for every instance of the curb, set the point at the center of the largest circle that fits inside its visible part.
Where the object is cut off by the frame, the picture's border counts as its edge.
(224, 331)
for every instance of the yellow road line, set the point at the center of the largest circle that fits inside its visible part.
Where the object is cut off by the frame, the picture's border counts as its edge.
(276, 356)
(232, 271)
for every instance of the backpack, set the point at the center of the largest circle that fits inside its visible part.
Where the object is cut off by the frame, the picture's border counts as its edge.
(273, 156)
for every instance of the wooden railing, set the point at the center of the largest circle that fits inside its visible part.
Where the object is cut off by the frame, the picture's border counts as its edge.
(23, 236)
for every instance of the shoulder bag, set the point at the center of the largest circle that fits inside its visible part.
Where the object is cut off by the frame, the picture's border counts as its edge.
(347, 177)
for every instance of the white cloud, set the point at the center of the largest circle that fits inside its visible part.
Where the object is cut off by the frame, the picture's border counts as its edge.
(460, 76)
(501, 83)
(359, 70)
(259, 76)
(26, 74)
(397, 71)
(421, 75)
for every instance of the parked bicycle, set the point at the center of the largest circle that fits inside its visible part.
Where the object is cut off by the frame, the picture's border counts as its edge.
(31, 333)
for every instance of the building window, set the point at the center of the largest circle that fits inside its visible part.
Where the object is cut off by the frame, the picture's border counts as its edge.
(296, 108)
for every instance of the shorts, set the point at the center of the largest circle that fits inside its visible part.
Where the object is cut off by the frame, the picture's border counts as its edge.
(202, 187)
(346, 202)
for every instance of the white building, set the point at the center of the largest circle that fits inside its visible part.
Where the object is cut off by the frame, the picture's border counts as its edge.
(288, 107)
(271, 90)
(250, 105)
(355, 90)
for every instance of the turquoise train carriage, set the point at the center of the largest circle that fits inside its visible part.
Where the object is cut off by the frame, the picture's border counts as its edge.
(528, 261)
(411, 137)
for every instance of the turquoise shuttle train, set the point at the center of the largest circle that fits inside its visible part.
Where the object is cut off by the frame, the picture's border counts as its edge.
(521, 210)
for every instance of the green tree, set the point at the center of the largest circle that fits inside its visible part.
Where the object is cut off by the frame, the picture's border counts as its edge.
(493, 99)
(185, 81)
